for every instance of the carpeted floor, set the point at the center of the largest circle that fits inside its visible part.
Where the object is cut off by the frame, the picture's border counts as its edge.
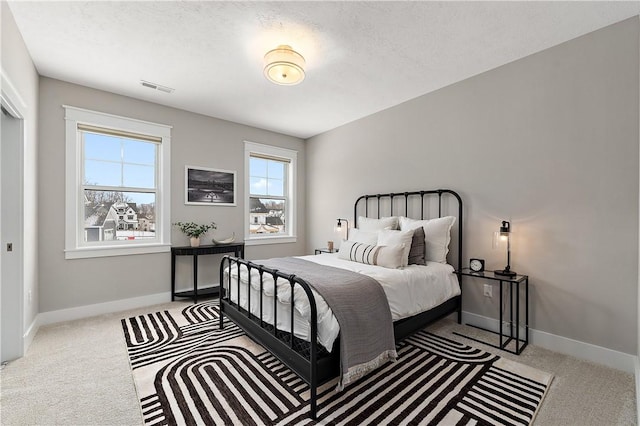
(78, 373)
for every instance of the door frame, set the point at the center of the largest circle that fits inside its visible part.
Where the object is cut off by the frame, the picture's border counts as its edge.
(13, 103)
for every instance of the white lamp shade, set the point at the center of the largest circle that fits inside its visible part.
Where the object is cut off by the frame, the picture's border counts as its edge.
(284, 66)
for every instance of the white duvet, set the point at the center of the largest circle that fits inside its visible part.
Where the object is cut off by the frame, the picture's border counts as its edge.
(410, 290)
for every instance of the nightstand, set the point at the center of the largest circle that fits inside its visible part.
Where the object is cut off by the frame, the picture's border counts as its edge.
(325, 250)
(514, 285)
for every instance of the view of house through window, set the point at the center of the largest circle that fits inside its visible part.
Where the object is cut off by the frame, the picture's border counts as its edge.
(119, 185)
(268, 195)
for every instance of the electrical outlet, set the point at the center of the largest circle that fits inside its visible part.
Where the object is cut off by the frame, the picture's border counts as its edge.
(488, 290)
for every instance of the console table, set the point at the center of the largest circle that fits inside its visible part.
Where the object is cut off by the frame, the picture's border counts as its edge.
(236, 248)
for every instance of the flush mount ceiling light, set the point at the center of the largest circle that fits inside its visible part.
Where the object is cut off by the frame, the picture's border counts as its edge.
(284, 66)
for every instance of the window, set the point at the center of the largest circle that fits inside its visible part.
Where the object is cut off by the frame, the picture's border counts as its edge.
(117, 185)
(270, 187)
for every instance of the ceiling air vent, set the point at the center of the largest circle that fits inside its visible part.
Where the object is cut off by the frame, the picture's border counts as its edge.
(155, 86)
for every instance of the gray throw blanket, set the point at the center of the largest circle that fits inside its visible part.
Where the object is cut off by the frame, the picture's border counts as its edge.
(361, 308)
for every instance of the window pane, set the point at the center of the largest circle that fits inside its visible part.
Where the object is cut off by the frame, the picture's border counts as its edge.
(267, 216)
(258, 186)
(102, 173)
(101, 147)
(258, 167)
(139, 176)
(113, 215)
(276, 187)
(275, 169)
(139, 152)
(117, 161)
(267, 176)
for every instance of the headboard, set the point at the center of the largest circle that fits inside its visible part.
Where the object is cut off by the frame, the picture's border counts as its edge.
(417, 205)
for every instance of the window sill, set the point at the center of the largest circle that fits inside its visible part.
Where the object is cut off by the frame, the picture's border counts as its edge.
(90, 252)
(257, 241)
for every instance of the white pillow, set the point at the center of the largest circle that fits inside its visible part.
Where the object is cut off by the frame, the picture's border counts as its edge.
(388, 256)
(388, 237)
(365, 237)
(369, 224)
(437, 235)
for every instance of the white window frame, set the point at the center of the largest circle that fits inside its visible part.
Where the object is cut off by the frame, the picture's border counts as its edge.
(285, 154)
(74, 232)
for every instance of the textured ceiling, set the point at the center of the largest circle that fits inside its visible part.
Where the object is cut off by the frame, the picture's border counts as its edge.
(362, 57)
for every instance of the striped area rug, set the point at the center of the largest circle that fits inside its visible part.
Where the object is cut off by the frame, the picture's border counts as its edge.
(187, 371)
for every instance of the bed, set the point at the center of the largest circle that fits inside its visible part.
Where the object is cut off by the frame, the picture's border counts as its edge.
(306, 336)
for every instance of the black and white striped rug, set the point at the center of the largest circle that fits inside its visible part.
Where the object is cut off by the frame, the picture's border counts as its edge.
(187, 371)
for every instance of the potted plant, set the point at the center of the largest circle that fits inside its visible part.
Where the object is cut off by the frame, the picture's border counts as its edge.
(194, 230)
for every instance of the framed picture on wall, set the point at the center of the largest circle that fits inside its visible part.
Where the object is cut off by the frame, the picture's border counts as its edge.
(209, 187)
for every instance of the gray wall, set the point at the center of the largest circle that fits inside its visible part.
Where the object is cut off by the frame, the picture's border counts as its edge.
(196, 140)
(551, 143)
(19, 69)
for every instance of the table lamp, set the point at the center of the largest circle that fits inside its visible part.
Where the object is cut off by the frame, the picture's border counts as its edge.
(504, 234)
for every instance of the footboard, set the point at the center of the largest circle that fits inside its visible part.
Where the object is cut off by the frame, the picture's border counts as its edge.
(302, 357)
(310, 360)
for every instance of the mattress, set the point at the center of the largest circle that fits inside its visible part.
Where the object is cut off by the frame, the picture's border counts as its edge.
(410, 291)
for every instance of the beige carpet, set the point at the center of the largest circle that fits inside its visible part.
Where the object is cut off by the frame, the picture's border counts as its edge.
(77, 373)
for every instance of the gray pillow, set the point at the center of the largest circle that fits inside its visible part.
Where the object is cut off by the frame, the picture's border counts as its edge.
(416, 254)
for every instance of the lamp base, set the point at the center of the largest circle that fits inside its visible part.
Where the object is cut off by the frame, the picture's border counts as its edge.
(505, 272)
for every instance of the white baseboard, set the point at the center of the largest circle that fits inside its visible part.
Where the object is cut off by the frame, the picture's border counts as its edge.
(564, 345)
(637, 364)
(79, 312)
(28, 336)
(87, 311)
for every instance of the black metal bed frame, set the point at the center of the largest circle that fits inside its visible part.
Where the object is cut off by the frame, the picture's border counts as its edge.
(309, 360)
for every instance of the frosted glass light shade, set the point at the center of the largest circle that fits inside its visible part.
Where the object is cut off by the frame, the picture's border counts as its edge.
(284, 66)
